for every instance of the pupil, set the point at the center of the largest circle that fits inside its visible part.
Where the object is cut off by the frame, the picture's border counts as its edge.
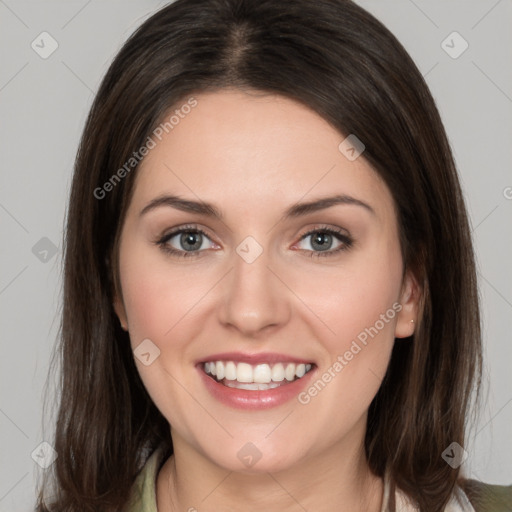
(322, 240)
(191, 241)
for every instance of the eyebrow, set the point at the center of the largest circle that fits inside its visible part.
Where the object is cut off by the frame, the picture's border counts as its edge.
(297, 210)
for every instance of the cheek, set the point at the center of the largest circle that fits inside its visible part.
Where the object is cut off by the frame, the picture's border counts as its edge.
(350, 299)
(157, 295)
(159, 300)
(359, 304)
(360, 309)
(147, 300)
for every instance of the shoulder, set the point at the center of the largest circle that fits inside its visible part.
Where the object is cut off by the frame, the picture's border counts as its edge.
(143, 494)
(487, 497)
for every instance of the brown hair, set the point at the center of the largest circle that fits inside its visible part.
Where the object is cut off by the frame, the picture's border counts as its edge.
(339, 60)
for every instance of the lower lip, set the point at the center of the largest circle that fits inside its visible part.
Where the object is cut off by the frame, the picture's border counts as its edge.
(253, 400)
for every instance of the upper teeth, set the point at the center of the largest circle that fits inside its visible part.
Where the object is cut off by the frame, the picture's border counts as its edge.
(260, 373)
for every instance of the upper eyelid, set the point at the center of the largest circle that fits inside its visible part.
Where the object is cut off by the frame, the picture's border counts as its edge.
(176, 231)
(336, 231)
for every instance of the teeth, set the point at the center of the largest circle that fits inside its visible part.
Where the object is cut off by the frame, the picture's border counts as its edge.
(289, 372)
(229, 370)
(278, 372)
(262, 374)
(244, 372)
(252, 386)
(257, 377)
(300, 370)
(219, 370)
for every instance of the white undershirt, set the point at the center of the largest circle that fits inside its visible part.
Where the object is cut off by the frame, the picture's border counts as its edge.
(458, 503)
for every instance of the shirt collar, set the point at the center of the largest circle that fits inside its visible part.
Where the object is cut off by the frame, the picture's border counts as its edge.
(143, 492)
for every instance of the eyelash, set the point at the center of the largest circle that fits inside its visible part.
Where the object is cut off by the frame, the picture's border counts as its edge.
(346, 241)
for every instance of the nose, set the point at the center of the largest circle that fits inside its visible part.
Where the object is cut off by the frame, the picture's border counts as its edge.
(254, 301)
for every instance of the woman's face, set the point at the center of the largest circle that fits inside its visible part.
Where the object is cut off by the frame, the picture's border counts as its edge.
(297, 266)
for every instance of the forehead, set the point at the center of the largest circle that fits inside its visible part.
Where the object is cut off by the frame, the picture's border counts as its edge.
(253, 149)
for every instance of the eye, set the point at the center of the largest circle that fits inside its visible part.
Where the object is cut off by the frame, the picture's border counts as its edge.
(325, 241)
(185, 241)
(190, 241)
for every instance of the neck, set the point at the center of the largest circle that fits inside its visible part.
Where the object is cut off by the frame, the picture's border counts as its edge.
(336, 479)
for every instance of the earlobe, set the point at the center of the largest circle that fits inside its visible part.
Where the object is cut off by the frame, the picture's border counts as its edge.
(120, 312)
(409, 300)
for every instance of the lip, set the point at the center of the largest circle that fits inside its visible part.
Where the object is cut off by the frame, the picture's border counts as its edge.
(254, 400)
(257, 358)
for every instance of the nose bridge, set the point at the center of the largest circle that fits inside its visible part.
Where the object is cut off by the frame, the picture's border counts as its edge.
(253, 298)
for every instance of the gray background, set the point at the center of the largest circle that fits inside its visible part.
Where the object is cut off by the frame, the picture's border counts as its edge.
(43, 104)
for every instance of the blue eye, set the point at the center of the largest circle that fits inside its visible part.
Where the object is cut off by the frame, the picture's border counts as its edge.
(190, 241)
(322, 240)
(185, 242)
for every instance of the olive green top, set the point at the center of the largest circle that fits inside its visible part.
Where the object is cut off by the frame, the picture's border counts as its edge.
(482, 497)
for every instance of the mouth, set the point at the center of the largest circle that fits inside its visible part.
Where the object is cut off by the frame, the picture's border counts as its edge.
(257, 377)
(256, 382)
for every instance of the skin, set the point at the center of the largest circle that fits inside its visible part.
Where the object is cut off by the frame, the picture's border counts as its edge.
(253, 156)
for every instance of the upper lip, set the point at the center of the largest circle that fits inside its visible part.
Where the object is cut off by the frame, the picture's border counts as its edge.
(257, 358)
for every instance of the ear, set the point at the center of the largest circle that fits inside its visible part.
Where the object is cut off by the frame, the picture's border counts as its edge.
(115, 287)
(409, 299)
(120, 311)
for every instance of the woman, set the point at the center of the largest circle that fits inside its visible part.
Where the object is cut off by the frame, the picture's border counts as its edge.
(270, 298)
